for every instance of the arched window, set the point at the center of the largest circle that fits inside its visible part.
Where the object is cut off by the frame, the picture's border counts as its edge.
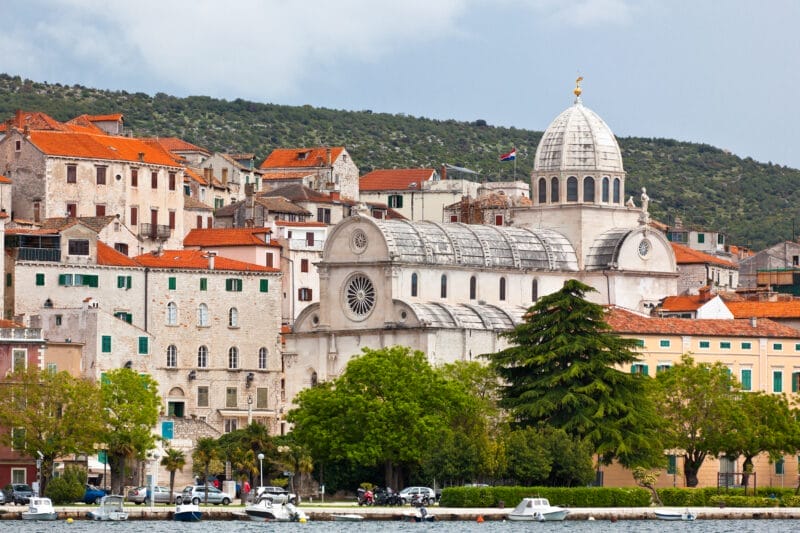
(542, 190)
(553, 190)
(616, 190)
(314, 379)
(262, 358)
(172, 314)
(473, 288)
(605, 190)
(172, 356)
(202, 315)
(588, 189)
(233, 357)
(534, 290)
(202, 357)
(233, 317)
(444, 286)
(414, 281)
(572, 189)
(502, 289)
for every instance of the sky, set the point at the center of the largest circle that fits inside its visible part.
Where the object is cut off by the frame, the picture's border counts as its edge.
(718, 72)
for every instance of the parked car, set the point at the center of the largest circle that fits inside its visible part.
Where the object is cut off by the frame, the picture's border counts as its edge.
(139, 495)
(2, 497)
(93, 494)
(18, 493)
(276, 494)
(197, 494)
(423, 495)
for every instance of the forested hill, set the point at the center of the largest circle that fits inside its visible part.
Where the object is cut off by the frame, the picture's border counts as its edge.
(754, 203)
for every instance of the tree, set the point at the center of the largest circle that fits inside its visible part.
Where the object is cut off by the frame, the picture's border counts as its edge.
(173, 460)
(206, 453)
(131, 405)
(698, 403)
(51, 415)
(562, 369)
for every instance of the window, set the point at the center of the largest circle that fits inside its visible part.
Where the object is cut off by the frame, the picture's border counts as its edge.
(233, 285)
(269, 262)
(662, 367)
(72, 173)
(639, 343)
(747, 346)
(795, 381)
(233, 357)
(233, 317)
(588, 189)
(52, 368)
(101, 175)
(616, 190)
(17, 146)
(262, 398)
(172, 314)
(231, 424)
(502, 289)
(414, 284)
(202, 357)
(473, 287)
(172, 283)
(779, 466)
(324, 215)
(105, 344)
(172, 356)
(542, 191)
(202, 396)
(747, 379)
(17, 438)
(39, 279)
(18, 475)
(154, 180)
(262, 358)
(605, 191)
(639, 368)
(443, 287)
(395, 201)
(134, 177)
(304, 265)
(9, 279)
(203, 284)
(777, 346)
(535, 290)
(230, 397)
(198, 221)
(99, 210)
(263, 285)
(122, 315)
(777, 381)
(664, 343)
(672, 464)
(79, 247)
(701, 238)
(20, 358)
(72, 210)
(705, 344)
(134, 216)
(498, 220)
(143, 341)
(572, 189)
(59, 319)
(554, 190)
(202, 315)
(304, 294)
(171, 219)
(124, 282)
(171, 181)
(724, 345)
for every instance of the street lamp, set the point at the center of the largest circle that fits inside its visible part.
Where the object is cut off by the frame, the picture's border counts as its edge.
(153, 471)
(261, 469)
(249, 409)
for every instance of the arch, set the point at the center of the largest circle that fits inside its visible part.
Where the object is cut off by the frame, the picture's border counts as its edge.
(588, 189)
(572, 189)
(616, 191)
(172, 356)
(202, 315)
(314, 378)
(233, 317)
(414, 285)
(233, 357)
(605, 193)
(554, 190)
(172, 314)
(176, 392)
(443, 290)
(542, 190)
(473, 288)
(534, 290)
(262, 358)
(202, 357)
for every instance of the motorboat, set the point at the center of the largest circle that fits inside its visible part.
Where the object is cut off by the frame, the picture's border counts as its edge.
(421, 516)
(187, 512)
(674, 514)
(263, 510)
(111, 508)
(347, 517)
(40, 509)
(537, 510)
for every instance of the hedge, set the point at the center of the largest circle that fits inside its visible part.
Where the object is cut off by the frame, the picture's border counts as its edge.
(564, 496)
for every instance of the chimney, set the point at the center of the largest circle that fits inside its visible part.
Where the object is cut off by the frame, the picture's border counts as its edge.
(328, 156)
(211, 256)
(444, 172)
(141, 157)
(224, 177)
(18, 118)
(753, 321)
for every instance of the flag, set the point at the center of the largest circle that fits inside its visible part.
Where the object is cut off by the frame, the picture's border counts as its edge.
(510, 156)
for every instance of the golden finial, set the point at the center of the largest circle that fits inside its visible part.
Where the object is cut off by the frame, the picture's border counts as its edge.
(578, 89)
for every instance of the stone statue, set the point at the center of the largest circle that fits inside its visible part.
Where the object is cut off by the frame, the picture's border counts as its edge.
(645, 200)
(630, 203)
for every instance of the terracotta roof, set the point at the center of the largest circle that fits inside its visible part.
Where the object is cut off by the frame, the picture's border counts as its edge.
(687, 256)
(31, 231)
(4, 179)
(626, 322)
(749, 309)
(226, 237)
(113, 117)
(36, 120)
(103, 147)
(10, 324)
(279, 204)
(243, 157)
(298, 193)
(301, 157)
(682, 303)
(395, 179)
(190, 202)
(84, 124)
(197, 260)
(107, 256)
(174, 144)
(61, 223)
(194, 174)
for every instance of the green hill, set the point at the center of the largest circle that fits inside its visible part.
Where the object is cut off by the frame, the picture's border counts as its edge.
(754, 203)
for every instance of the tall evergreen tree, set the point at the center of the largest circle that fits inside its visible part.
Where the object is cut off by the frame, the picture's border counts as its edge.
(564, 369)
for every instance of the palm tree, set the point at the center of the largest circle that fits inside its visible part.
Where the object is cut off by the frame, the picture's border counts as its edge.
(243, 462)
(205, 452)
(173, 460)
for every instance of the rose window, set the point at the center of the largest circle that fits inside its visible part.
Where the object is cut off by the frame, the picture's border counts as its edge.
(360, 295)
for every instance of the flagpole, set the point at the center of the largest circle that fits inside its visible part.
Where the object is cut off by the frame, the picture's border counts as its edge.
(515, 164)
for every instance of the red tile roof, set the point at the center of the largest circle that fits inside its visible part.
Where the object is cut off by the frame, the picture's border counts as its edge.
(107, 256)
(197, 259)
(113, 117)
(748, 309)
(4, 179)
(35, 120)
(301, 157)
(227, 237)
(687, 256)
(682, 303)
(395, 179)
(174, 144)
(626, 322)
(299, 193)
(103, 147)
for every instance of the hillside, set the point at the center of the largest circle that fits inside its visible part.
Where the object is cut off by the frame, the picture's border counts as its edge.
(755, 203)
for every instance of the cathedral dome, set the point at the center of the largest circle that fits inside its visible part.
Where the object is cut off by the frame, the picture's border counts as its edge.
(578, 139)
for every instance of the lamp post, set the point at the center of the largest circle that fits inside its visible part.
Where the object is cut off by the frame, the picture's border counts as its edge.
(261, 469)
(249, 409)
(153, 471)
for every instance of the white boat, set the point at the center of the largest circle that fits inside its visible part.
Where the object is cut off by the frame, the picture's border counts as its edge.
(40, 509)
(347, 517)
(265, 511)
(537, 510)
(187, 512)
(111, 508)
(672, 514)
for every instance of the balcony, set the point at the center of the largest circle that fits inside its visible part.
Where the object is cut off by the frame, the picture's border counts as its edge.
(304, 245)
(21, 334)
(39, 254)
(156, 232)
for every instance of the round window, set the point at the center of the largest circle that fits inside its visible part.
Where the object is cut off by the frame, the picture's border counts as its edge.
(359, 296)
(358, 241)
(644, 248)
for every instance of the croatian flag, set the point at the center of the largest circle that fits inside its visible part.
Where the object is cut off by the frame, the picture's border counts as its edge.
(510, 156)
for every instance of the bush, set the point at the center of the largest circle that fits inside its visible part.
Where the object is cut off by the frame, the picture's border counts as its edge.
(566, 496)
(743, 501)
(69, 487)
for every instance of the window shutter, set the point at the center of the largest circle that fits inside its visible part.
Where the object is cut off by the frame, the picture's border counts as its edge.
(62, 279)
(747, 376)
(203, 284)
(264, 285)
(795, 380)
(91, 280)
(40, 279)
(229, 284)
(106, 343)
(172, 284)
(120, 282)
(143, 345)
(128, 282)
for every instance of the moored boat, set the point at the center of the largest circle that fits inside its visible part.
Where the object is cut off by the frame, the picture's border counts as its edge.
(40, 509)
(673, 514)
(347, 517)
(187, 512)
(265, 511)
(110, 508)
(537, 510)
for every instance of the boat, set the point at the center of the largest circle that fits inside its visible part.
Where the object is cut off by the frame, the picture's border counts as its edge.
(672, 514)
(347, 517)
(187, 512)
(263, 510)
(420, 516)
(537, 510)
(111, 508)
(40, 509)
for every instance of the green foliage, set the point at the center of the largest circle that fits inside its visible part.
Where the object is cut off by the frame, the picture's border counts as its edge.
(570, 497)
(706, 187)
(69, 487)
(743, 501)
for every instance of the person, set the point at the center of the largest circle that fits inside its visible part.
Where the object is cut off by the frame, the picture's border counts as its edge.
(216, 483)
(246, 489)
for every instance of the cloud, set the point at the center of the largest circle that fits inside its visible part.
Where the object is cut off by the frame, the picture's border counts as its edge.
(586, 13)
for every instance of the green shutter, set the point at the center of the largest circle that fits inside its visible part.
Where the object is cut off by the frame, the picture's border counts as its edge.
(143, 345)
(120, 282)
(172, 284)
(104, 379)
(795, 380)
(264, 285)
(203, 284)
(9, 279)
(106, 343)
(672, 464)
(228, 284)
(777, 381)
(90, 280)
(128, 282)
(747, 379)
(62, 279)
(39, 279)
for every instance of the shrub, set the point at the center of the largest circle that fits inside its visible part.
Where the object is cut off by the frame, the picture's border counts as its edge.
(566, 496)
(743, 501)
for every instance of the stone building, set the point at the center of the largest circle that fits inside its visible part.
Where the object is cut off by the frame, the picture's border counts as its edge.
(323, 169)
